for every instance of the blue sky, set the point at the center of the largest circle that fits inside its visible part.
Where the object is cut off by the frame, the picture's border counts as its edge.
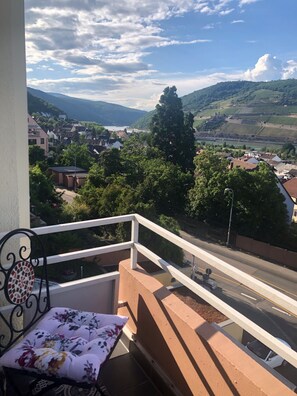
(128, 51)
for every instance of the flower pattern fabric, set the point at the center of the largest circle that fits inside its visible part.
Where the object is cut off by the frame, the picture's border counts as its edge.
(67, 343)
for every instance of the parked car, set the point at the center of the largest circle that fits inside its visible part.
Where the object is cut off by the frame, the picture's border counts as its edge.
(268, 356)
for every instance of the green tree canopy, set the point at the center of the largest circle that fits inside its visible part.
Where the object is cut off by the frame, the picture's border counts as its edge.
(259, 210)
(288, 150)
(43, 196)
(77, 154)
(171, 132)
(36, 154)
(110, 160)
(205, 197)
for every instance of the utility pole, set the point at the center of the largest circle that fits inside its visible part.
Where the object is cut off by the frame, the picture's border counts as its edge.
(229, 190)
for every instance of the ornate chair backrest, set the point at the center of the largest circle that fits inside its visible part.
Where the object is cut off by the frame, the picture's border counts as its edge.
(24, 299)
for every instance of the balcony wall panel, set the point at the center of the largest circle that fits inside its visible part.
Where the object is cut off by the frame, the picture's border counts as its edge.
(95, 294)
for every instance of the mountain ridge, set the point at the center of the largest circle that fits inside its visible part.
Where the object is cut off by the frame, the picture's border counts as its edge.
(101, 112)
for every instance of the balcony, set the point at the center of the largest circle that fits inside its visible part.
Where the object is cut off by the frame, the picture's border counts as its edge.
(167, 348)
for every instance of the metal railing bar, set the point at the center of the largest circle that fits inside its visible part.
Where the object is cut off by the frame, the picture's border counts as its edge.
(261, 288)
(83, 224)
(88, 252)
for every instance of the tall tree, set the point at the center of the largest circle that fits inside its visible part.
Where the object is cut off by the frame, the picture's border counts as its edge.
(187, 146)
(169, 132)
(206, 196)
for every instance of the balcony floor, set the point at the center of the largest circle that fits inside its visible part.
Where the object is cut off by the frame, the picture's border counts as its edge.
(123, 376)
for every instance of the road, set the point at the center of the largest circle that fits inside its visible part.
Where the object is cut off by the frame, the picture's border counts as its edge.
(263, 312)
(282, 279)
(68, 195)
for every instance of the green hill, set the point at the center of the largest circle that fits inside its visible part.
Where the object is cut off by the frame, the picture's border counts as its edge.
(243, 108)
(89, 110)
(37, 105)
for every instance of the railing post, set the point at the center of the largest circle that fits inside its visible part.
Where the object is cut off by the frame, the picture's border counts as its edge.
(134, 239)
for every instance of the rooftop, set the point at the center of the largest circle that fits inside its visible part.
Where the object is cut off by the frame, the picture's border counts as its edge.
(291, 187)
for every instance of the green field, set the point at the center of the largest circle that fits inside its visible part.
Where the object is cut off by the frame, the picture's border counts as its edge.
(249, 130)
(198, 122)
(240, 143)
(240, 129)
(274, 109)
(265, 95)
(283, 120)
(278, 132)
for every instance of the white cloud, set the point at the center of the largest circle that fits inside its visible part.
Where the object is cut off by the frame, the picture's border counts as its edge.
(209, 26)
(237, 21)
(267, 68)
(290, 69)
(83, 33)
(220, 7)
(226, 12)
(246, 2)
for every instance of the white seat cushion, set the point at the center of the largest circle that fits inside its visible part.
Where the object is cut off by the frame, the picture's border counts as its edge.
(67, 343)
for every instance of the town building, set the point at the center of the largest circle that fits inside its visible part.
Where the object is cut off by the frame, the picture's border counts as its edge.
(291, 187)
(70, 177)
(36, 135)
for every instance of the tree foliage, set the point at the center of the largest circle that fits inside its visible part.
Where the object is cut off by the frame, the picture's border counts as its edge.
(171, 132)
(288, 150)
(36, 154)
(44, 199)
(205, 198)
(141, 176)
(77, 155)
(259, 210)
(136, 179)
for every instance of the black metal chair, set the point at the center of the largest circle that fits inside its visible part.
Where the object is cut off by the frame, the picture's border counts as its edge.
(53, 346)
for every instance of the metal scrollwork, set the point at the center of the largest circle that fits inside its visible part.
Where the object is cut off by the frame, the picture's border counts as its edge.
(19, 290)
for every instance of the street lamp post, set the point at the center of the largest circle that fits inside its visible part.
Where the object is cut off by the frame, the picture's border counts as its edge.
(229, 190)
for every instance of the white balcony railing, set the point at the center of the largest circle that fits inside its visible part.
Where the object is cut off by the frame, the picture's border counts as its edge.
(264, 290)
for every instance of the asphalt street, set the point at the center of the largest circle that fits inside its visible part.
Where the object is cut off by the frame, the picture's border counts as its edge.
(67, 195)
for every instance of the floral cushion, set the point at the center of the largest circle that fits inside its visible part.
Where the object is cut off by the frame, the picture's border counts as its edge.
(67, 343)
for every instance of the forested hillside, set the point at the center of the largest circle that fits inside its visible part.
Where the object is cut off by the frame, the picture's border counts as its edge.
(37, 105)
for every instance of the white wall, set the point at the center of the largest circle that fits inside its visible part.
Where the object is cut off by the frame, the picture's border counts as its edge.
(14, 179)
(288, 202)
